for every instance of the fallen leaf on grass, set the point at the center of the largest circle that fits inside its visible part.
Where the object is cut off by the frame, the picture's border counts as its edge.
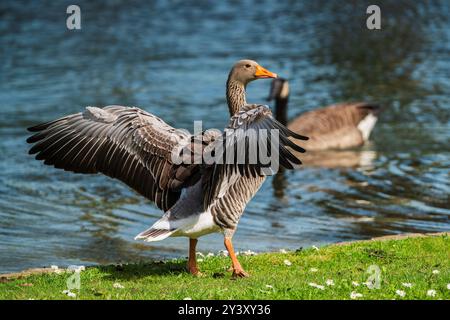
(26, 284)
(218, 275)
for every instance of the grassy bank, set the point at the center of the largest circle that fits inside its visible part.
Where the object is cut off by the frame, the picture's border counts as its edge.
(411, 268)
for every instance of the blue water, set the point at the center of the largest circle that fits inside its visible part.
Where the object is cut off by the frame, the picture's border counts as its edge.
(172, 59)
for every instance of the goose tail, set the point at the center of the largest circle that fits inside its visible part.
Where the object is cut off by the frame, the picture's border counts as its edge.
(154, 234)
(160, 230)
(368, 113)
(371, 107)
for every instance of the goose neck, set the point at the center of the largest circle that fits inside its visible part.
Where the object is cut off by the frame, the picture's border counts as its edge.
(235, 96)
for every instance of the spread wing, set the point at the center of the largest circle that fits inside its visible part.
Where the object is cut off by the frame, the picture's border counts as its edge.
(126, 143)
(251, 139)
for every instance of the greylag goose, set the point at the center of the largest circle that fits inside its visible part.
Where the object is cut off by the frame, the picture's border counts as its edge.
(141, 150)
(339, 126)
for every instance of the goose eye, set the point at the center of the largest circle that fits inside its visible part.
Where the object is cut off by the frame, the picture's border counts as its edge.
(247, 66)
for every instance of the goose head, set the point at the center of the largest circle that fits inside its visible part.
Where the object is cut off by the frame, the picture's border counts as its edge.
(245, 71)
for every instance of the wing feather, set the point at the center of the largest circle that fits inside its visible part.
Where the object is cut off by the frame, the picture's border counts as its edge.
(126, 143)
(242, 134)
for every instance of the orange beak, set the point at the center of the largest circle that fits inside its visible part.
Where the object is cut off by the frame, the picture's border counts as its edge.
(262, 73)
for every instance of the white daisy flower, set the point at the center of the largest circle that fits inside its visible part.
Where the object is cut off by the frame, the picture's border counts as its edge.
(448, 286)
(69, 293)
(313, 269)
(223, 253)
(407, 284)
(200, 254)
(401, 293)
(330, 282)
(356, 284)
(431, 293)
(355, 295)
(287, 262)
(76, 268)
(56, 269)
(210, 254)
(187, 298)
(248, 253)
(118, 285)
(269, 286)
(436, 271)
(315, 285)
(283, 251)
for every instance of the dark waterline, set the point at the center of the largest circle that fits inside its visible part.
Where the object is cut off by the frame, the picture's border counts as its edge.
(172, 59)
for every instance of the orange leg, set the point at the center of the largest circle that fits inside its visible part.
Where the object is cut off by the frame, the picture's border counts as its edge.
(192, 261)
(238, 272)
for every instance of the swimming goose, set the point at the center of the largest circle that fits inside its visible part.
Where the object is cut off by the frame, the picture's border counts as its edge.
(140, 149)
(338, 126)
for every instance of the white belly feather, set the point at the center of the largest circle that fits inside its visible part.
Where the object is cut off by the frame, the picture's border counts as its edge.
(196, 226)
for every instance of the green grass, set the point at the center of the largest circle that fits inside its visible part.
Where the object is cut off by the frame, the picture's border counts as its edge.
(410, 260)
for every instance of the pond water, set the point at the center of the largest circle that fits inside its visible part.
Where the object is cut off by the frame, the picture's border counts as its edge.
(172, 59)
